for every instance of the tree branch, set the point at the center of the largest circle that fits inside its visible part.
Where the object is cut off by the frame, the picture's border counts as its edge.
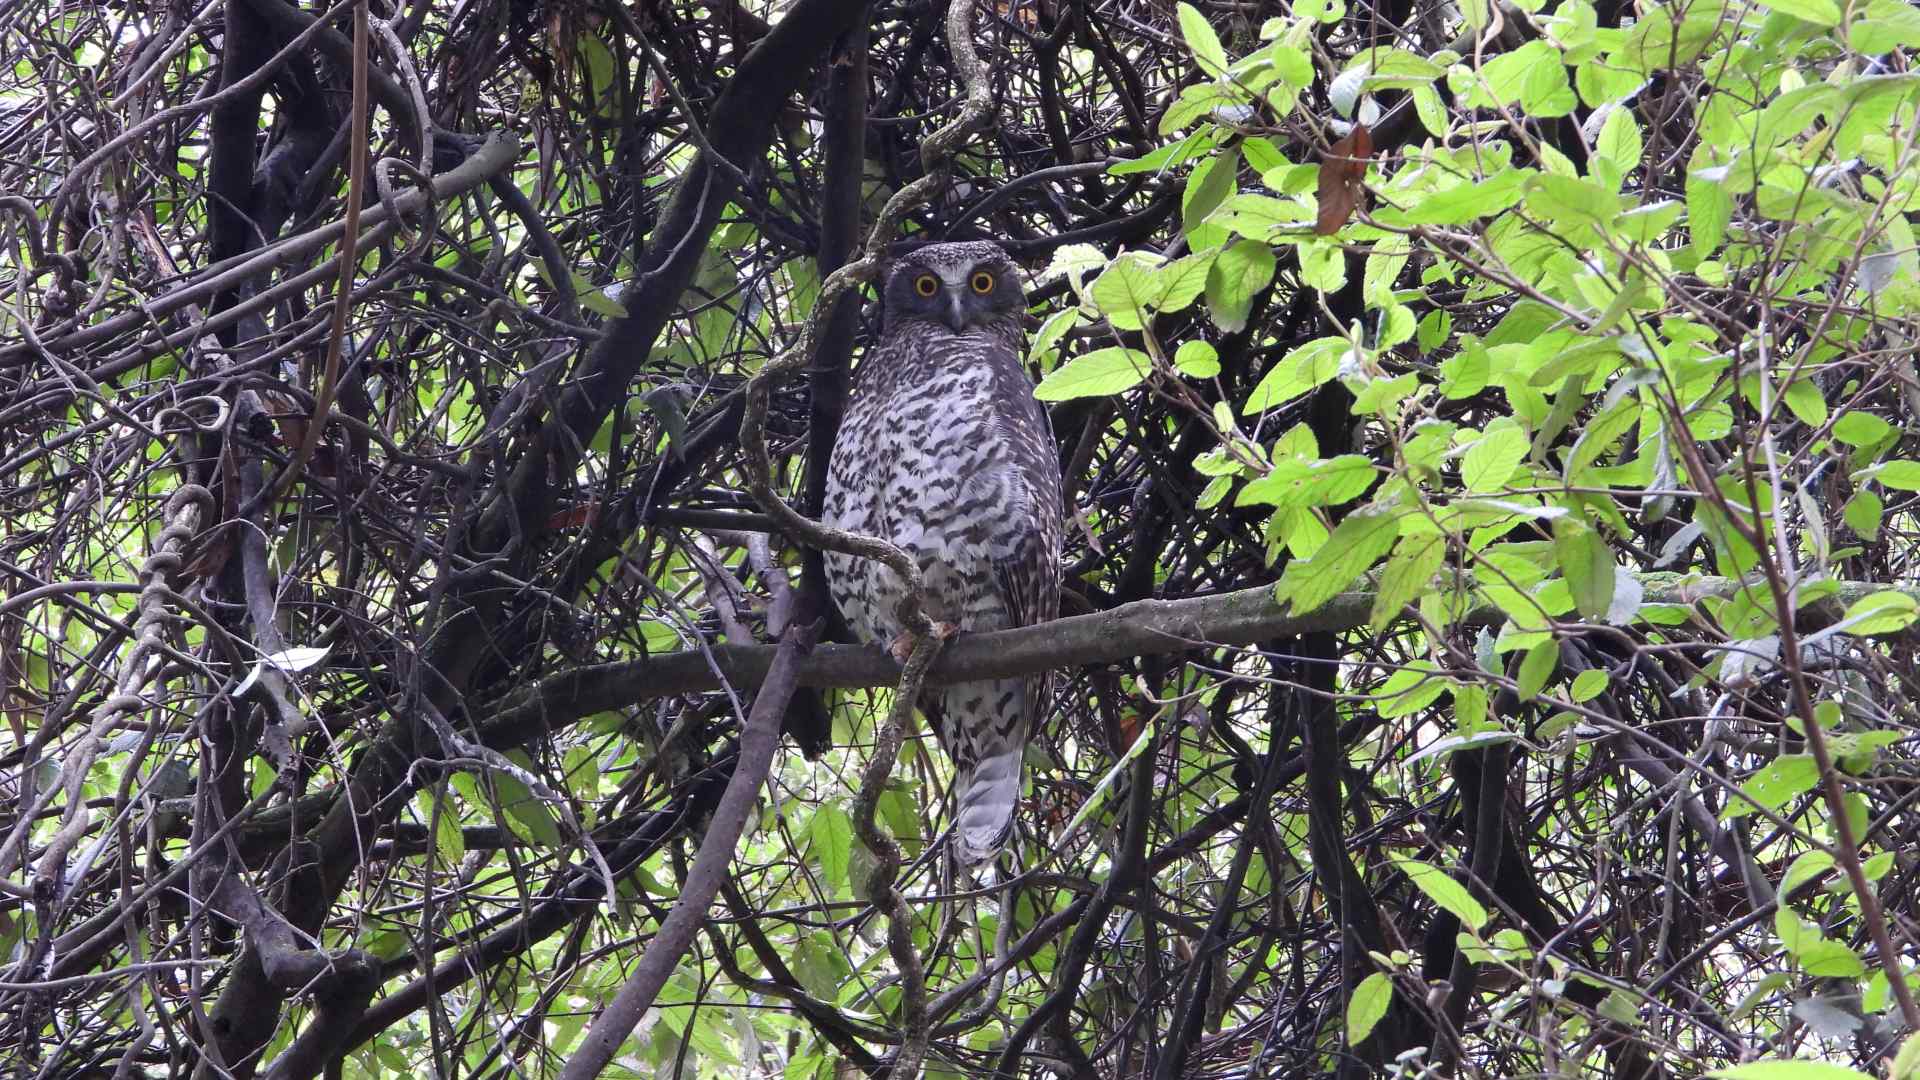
(757, 744)
(1142, 628)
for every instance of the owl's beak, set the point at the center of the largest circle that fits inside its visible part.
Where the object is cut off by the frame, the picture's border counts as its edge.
(955, 319)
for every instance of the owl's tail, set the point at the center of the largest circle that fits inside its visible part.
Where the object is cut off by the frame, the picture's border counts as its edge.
(988, 794)
(985, 726)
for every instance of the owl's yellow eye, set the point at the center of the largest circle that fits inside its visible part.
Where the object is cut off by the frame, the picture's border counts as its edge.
(926, 285)
(982, 282)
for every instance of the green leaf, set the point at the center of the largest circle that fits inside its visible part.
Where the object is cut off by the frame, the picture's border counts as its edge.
(1367, 1006)
(1709, 208)
(1830, 959)
(1818, 12)
(1489, 463)
(1536, 668)
(598, 302)
(1383, 267)
(1620, 139)
(1415, 560)
(1297, 482)
(1805, 868)
(1466, 372)
(1197, 360)
(1805, 401)
(1886, 25)
(1212, 181)
(1181, 281)
(438, 811)
(1588, 685)
(1786, 778)
(1356, 542)
(1409, 690)
(1053, 330)
(1863, 514)
(1237, 275)
(1599, 436)
(1259, 217)
(1129, 290)
(831, 834)
(1587, 563)
(1473, 199)
(1856, 428)
(1443, 890)
(1074, 262)
(1300, 370)
(1170, 154)
(1906, 1063)
(524, 807)
(1204, 43)
(1899, 474)
(1096, 374)
(1881, 613)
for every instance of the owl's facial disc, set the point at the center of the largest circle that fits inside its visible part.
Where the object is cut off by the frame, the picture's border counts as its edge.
(962, 287)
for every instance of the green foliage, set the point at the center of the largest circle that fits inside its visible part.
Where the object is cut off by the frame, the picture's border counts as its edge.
(1625, 305)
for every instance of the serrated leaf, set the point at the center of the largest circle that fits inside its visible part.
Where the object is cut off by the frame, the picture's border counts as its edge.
(1356, 542)
(1829, 959)
(1474, 199)
(525, 808)
(1415, 560)
(1128, 290)
(1096, 374)
(1863, 514)
(1856, 428)
(1588, 685)
(1297, 483)
(1208, 186)
(1237, 275)
(1407, 691)
(1300, 370)
(1489, 463)
(1906, 1063)
(1808, 866)
(1053, 330)
(437, 811)
(1536, 668)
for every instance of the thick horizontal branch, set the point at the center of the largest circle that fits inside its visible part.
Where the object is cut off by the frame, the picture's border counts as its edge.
(1142, 628)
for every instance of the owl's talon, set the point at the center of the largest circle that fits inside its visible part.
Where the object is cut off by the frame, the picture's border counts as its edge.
(901, 647)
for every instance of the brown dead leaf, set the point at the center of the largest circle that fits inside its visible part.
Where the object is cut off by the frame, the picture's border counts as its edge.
(583, 515)
(1342, 171)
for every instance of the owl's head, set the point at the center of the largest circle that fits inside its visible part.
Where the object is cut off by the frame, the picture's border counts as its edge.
(967, 286)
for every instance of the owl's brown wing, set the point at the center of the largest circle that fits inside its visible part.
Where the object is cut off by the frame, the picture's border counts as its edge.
(1026, 537)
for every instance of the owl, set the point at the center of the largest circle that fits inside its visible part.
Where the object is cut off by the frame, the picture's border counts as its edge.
(945, 452)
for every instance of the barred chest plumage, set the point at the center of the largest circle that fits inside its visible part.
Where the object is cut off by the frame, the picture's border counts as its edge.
(936, 464)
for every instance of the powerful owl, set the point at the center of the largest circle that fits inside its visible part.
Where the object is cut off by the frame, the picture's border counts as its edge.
(945, 452)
